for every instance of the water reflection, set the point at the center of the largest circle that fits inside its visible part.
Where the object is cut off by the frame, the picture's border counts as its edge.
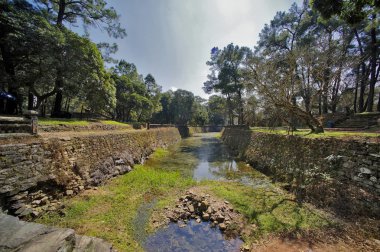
(192, 237)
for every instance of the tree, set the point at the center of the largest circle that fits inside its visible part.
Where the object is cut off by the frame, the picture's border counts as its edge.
(227, 77)
(199, 111)
(154, 94)
(181, 106)
(90, 12)
(216, 107)
(165, 115)
(363, 18)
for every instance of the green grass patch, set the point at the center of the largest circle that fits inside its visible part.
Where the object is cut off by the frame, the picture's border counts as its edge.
(53, 122)
(109, 212)
(305, 133)
(270, 209)
(111, 122)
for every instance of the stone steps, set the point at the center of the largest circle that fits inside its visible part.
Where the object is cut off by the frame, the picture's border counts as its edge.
(16, 235)
(13, 124)
(15, 128)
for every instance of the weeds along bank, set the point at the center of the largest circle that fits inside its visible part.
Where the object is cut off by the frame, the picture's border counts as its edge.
(36, 172)
(336, 173)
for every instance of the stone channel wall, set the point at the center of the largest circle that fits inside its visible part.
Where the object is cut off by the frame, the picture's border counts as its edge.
(332, 172)
(34, 174)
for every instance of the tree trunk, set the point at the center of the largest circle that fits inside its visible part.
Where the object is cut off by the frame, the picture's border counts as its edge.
(356, 89)
(30, 100)
(59, 79)
(372, 82)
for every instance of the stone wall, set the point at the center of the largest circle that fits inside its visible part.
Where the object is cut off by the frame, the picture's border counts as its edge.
(332, 172)
(35, 174)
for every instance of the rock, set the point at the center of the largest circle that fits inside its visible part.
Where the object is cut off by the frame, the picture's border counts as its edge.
(222, 226)
(198, 220)
(45, 200)
(19, 196)
(69, 192)
(365, 170)
(181, 224)
(245, 248)
(81, 188)
(191, 208)
(16, 235)
(203, 206)
(26, 212)
(226, 202)
(209, 210)
(17, 205)
(206, 216)
(36, 202)
(220, 218)
(35, 213)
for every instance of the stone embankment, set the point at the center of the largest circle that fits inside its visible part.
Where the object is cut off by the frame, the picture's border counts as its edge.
(343, 174)
(16, 235)
(37, 172)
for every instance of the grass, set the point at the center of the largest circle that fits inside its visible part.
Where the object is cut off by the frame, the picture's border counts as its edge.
(305, 133)
(270, 210)
(111, 122)
(54, 122)
(110, 211)
(78, 122)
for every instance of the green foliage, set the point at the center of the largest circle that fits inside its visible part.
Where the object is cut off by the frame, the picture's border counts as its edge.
(217, 110)
(181, 106)
(227, 76)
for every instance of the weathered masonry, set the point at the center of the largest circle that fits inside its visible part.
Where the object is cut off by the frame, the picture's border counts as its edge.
(337, 173)
(35, 172)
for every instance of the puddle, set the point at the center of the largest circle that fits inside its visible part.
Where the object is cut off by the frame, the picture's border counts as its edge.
(192, 237)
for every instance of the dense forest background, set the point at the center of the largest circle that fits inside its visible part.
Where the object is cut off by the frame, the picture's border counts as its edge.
(317, 59)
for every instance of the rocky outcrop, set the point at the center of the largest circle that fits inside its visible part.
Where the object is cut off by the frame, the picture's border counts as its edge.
(36, 173)
(16, 235)
(195, 204)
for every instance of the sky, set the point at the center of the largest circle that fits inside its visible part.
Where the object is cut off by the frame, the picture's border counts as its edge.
(172, 39)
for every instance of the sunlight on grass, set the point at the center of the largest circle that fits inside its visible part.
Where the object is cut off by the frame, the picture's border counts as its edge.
(271, 209)
(305, 133)
(53, 122)
(111, 122)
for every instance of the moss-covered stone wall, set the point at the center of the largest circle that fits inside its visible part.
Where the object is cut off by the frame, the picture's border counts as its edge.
(337, 173)
(36, 173)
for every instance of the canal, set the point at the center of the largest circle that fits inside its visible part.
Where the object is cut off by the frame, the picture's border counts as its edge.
(202, 157)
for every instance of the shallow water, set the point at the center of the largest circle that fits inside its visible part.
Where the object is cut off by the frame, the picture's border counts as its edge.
(192, 237)
(202, 156)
